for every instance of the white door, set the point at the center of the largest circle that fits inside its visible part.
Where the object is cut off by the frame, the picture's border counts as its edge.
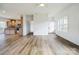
(51, 27)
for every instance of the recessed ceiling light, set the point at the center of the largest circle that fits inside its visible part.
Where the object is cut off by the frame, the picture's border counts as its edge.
(3, 11)
(42, 5)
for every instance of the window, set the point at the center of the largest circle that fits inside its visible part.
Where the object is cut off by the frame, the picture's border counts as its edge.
(2, 26)
(63, 24)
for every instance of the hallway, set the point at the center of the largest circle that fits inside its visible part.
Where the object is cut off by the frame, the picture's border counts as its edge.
(36, 45)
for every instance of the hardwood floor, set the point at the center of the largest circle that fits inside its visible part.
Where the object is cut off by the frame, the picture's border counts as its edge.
(36, 45)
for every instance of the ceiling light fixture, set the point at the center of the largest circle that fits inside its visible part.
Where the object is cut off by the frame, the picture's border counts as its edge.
(42, 5)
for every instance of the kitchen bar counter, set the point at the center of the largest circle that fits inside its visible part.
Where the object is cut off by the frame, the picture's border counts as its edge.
(9, 31)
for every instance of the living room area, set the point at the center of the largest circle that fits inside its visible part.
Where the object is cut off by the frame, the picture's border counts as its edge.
(39, 29)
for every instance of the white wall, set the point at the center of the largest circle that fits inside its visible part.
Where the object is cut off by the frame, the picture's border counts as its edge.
(40, 24)
(26, 24)
(72, 12)
(31, 26)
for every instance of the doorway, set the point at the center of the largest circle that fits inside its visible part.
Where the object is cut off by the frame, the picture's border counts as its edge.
(51, 27)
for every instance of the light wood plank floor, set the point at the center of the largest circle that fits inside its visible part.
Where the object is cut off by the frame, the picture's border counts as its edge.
(36, 45)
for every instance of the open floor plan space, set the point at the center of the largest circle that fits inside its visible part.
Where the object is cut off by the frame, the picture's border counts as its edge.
(39, 28)
(37, 45)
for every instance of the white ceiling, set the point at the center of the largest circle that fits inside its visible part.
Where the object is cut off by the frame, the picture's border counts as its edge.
(16, 9)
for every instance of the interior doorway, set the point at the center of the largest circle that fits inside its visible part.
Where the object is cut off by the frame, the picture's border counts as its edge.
(51, 27)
